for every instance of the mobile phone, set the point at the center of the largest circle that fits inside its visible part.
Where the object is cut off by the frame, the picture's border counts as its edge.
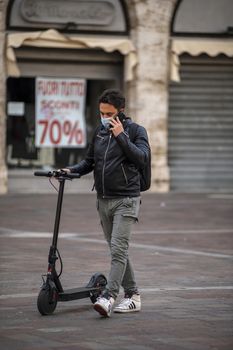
(121, 116)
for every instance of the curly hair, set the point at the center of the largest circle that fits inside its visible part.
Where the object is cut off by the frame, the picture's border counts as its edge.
(113, 97)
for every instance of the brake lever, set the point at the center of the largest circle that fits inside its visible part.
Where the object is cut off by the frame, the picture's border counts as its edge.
(59, 174)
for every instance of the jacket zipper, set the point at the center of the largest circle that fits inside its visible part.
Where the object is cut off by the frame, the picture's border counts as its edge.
(105, 156)
(124, 173)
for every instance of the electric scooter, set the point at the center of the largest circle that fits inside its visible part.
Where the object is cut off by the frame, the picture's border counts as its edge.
(52, 291)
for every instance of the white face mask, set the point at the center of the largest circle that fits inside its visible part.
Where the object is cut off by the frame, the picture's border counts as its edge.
(106, 122)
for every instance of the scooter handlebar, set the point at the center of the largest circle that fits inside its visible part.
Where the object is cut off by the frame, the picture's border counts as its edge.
(43, 173)
(73, 176)
(57, 173)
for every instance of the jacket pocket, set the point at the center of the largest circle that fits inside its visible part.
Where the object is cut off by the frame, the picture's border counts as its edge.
(132, 206)
(124, 174)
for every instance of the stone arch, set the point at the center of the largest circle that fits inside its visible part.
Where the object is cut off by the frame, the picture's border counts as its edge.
(202, 18)
(92, 16)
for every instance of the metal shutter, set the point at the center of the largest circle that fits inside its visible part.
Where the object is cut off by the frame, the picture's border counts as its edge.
(69, 63)
(200, 127)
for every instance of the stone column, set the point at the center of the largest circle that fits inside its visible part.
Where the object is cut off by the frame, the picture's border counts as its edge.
(3, 168)
(148, 94)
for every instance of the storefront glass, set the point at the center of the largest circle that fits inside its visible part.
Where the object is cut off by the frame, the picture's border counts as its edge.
(21, 147)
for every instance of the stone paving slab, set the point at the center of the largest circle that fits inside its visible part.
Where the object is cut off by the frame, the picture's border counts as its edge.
(182, 250)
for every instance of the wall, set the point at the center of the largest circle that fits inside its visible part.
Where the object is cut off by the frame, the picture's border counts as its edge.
(149, 93)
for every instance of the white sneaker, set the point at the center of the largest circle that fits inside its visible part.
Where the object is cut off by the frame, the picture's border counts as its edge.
(104, 306)
(129, 304)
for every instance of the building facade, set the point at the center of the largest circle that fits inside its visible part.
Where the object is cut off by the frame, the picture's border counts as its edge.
(154, 50)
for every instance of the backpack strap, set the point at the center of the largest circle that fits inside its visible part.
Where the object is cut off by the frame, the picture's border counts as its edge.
(132, 131)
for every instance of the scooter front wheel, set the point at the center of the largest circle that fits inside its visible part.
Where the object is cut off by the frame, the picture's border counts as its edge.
(47, 301)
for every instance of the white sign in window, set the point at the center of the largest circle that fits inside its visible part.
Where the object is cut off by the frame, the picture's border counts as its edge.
(15, 108)
(60, 120)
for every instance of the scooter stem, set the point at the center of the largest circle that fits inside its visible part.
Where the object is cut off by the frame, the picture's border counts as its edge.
(58, 212)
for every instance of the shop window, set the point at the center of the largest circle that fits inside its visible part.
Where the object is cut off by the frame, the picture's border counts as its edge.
(20, 109)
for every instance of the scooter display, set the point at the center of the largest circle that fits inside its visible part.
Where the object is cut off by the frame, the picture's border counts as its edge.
(52, 291)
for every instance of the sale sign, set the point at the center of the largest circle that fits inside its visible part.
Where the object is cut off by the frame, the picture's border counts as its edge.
(60, 120)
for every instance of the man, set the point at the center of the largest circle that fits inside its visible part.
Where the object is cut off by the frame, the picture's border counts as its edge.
(115, 159)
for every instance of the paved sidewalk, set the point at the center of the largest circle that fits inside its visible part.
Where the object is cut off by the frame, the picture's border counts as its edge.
(182, 250)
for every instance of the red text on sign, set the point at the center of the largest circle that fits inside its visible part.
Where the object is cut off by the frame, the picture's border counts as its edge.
(56, 129)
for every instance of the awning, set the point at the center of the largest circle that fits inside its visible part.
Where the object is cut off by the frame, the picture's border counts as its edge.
(53, 39)
(195, 47)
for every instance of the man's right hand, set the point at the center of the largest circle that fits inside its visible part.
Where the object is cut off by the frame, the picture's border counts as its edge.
(66, 170)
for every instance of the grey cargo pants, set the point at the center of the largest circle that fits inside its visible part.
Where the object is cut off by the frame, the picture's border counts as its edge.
(117, 217)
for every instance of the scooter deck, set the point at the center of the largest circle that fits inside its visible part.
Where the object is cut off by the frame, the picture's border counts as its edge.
(76, 293)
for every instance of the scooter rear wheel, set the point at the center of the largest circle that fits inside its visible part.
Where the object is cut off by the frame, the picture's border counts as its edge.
(45, 304)
(97, 280)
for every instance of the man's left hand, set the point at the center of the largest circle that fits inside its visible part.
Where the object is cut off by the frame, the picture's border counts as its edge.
(117, 126)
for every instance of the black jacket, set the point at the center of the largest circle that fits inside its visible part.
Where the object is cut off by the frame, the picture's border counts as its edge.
(115, 161)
